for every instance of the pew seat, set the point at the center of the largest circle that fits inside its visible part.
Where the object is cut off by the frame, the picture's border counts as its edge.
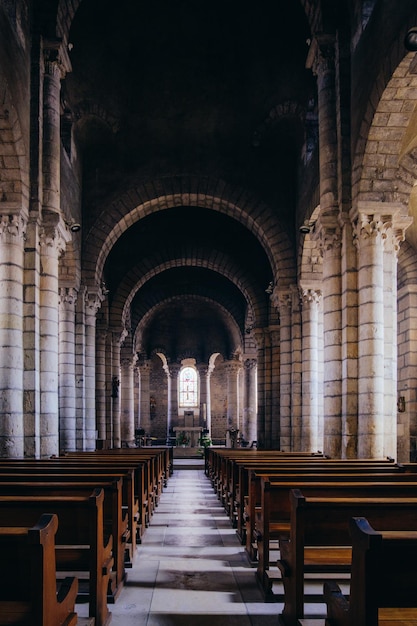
(28, 579)
(383, 585)
(319, 530)
(81, 549)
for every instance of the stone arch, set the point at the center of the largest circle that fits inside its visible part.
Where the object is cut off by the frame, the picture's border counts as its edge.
(232, 326)
(407, 266)
(202, 192)
(383, 174)
(310, 256)
(138, 276)
(14, 167)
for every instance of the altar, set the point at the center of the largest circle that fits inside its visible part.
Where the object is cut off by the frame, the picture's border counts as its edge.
(192, 433)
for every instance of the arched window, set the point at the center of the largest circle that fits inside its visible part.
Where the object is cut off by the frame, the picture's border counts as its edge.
(188, 387)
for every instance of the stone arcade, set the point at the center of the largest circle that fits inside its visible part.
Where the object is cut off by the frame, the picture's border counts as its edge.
(228, 191)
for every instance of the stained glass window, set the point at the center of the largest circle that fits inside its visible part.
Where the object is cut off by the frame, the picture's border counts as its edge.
(188, 387)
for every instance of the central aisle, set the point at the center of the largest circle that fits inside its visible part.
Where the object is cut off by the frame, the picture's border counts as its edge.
(190, 568)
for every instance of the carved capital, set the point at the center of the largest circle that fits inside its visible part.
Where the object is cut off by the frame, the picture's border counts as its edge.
(311, 296)
(12, 227)
(93, 300)
(55, 57)
(67, 295)
(250, 364)
(281, 299)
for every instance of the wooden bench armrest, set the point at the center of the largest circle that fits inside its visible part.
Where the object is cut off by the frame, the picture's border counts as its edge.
(337, 605)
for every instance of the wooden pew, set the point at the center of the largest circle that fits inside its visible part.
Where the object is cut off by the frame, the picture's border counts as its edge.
(221, 472)
(319, 539)
(132, 485)
(275, 513)
(28, 583)
(152, 469)
(248, 492)
(383, 582)
(114, 523)
(226, 478)
(80, 545)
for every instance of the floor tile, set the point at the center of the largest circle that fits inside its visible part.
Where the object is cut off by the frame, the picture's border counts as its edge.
(190, 568)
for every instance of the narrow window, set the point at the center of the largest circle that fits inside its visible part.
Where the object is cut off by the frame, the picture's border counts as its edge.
(188, 387)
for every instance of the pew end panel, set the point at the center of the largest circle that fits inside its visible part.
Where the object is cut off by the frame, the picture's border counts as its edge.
(29, 592)
(80, 547)
(320, 540)
(383, 586)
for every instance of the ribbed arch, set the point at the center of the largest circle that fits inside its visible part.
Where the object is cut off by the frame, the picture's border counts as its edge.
(14, 185)
(167, 193)
(233, 329)
(407, 266)
(383, 125)
(220, 263)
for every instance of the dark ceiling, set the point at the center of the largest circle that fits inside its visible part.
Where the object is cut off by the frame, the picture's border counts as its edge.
(189, 87)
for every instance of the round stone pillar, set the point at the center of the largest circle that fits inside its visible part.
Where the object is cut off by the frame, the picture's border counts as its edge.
(93, 301)
(250, 397)
(204, 375)
(174, 370)
(259, 336)
(310, 370)
(11, 336)
(394, 235)
(275, 428)
(101, 359)
(51, 244)
(371, 336)
(51, 145)
(282, 300)
(127, 408)
(144, 417)
(117, 340)
(67, 405)
(232, 372)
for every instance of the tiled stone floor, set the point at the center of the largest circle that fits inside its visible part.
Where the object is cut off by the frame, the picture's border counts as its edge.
(190, 569)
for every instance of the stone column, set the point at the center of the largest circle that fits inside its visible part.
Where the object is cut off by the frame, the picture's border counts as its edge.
(380, 228)
(203, 371)
(117, 340)
(282, 300)
(54, 236)
(267, 389)
(332, 349)
(259, 337)
(101, 360)
(127, 399)
(296, 371)
(370, 230)
(12, 229)
(52, 243)
(93, 302)
(174, 370)
(136, 395)
(310, 370)
(51, 145)
(275, 436)
(232, 372)
(249, 409)
(80, 368)
(145, 370)
(349, 342)
(208, 396)
(31, 340)
(67, 420)
(322, 58)
(395, 234)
